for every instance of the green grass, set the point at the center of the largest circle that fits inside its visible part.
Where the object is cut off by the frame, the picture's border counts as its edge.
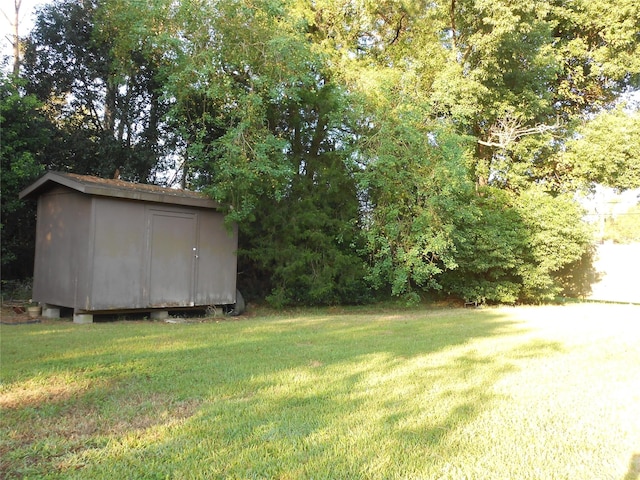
(505, 393)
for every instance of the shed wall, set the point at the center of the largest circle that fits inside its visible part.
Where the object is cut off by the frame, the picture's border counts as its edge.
(62, 240)
(118, 255)
(217, 261)
(99, 253)
(147, 255)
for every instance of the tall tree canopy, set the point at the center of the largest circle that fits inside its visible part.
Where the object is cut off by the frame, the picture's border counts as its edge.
(373, 146)
(106, 103)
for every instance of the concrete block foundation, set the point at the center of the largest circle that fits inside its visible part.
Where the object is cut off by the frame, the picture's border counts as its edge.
(50, 311)
(159, 315)
(82, 318)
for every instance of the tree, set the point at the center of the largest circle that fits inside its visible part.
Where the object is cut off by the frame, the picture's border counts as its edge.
(491, 249)
(480, 68)
(625, 227)
(558, 242)
(516, 75)
(25, 137)
(14, 38)
(107, 107)
(606, 150)
(532, 67)
(416, 185)
(268, 135)
(429, 144)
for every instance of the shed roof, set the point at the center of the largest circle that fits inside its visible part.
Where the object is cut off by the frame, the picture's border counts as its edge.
(117, 188)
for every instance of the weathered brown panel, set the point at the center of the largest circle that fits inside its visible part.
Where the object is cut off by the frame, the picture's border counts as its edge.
(171, 257)
(118, 254)
(61, 248)
(217, 261)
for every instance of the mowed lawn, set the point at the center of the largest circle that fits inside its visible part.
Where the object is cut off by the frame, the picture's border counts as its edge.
(494, 393)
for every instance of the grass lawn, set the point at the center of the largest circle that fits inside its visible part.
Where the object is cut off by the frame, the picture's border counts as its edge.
(495, 393)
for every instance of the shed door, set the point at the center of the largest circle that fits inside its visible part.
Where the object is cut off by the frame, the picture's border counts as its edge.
(171, 258)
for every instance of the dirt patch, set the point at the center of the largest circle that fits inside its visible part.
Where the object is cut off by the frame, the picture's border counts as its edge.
(139, 414)
(76, 425)
(33, 396)
(16, 314)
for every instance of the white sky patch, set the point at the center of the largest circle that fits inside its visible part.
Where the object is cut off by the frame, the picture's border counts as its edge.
(26, 21)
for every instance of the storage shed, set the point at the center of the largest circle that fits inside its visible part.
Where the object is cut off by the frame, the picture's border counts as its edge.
(110, 245)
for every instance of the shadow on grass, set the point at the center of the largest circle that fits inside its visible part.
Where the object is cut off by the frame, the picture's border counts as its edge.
(373, 395)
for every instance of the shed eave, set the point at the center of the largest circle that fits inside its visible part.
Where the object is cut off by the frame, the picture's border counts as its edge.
(36, 188)
(90, 188)
(149, 196)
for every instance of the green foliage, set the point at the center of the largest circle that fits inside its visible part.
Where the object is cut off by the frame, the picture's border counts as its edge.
(105, 103)
(519, 248)
(25, 136)
(576, 278)
(416, 184)
(490, 250)
(503, 61)
(624, 228)
(304, 249)
(533, 63)
(606, 151)
(404, 146)
(599, 50)
(248, 80)
(557, 240)
(271, 140)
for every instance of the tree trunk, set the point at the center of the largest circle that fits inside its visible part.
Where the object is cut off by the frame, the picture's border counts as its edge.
(483, 160)
(110, 107)
(16, 38)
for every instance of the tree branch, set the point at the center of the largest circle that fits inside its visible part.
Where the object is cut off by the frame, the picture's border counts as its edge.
(398, 30)
(452, 17)
(508, 129)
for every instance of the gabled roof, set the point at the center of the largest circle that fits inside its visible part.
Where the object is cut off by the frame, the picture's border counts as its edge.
(117, 188)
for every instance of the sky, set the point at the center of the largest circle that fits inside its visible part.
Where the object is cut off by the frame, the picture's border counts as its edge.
(27, 9)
